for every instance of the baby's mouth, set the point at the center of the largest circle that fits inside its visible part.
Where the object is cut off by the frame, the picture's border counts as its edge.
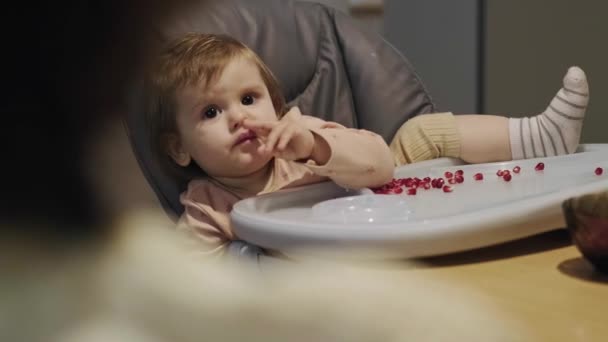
(245, 137)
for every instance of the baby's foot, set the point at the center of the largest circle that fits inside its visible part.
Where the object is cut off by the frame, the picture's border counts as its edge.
(557, 130)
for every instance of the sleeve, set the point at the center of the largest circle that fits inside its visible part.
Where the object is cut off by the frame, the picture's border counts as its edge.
(207, 232)
(359, 158)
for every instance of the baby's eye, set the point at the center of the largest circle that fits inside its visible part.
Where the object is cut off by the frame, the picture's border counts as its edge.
(211, 112)
(247, 100)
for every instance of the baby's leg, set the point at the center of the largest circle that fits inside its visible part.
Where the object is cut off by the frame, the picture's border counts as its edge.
(489, 138)
(426, 137)
(556, 131)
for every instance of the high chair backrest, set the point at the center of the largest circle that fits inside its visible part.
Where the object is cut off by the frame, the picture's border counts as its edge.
(325, 63)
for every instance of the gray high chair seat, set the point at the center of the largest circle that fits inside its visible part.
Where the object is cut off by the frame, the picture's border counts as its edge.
(325, 63)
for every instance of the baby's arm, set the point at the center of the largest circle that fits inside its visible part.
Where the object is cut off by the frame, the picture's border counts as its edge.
(352, 158)
(208, 231)
(357, 158)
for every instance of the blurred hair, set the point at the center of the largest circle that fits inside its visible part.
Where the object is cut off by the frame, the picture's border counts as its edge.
(69, 66)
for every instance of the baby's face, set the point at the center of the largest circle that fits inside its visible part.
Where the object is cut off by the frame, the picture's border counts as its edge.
(209, 121)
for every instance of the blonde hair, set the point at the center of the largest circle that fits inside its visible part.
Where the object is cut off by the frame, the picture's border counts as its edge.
(188, 61)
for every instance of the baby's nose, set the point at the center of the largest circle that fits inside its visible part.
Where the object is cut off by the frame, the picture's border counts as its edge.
(237, 117)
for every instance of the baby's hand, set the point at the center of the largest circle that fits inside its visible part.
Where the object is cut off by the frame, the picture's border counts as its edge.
(286, 138)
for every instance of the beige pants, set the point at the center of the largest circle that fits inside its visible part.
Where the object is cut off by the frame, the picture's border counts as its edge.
(426, 137)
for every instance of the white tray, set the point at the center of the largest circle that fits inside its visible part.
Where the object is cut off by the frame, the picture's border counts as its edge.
(324, 219)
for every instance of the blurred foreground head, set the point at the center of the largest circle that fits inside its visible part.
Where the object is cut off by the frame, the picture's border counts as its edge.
(68, 67)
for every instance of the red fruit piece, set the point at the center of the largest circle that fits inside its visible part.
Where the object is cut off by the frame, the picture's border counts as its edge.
(452, 180)
(459, 179)
(539, 167)
(448, 174)
(499, 173)
(398, 190)
(507, 177)
(599, 171)
(516, 169)
(459, 173)
(478, 176)
(447, 188)
(411, 192)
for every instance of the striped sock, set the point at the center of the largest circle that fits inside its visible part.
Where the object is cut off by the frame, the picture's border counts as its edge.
(557, 130)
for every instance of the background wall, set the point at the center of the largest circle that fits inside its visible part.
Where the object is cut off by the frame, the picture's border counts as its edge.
(529, 46)
(440, 38)
(504, 57)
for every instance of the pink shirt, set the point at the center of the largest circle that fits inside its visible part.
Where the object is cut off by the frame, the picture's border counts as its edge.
(359, 159)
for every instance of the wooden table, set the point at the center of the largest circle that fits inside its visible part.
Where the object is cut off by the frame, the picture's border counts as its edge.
(541, 280)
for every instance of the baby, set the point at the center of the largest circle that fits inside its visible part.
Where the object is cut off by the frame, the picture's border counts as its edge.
(218, 121)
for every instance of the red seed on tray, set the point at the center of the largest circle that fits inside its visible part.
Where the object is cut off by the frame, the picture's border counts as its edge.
(499, 173)
(478, 176)
(448, 174)
(411, 192)
(507, 177)
(539, 167)
(516, 169)
(459, 173)
(599, 171)
(447, 188)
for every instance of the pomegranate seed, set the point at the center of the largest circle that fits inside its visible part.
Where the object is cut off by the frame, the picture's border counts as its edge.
(427, 179)
(399, 190)
(411, 192)
(599, 171)
(478, 176)
(459, 173)
(507, 177)
(452, 181)
(499, 173)
(440, 182)
(448, 174)
(539, 167)
(459, 179)
(427, 186)
(516, 169)
(447, 188)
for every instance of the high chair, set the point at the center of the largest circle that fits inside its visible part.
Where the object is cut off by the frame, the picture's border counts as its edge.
(324, 62)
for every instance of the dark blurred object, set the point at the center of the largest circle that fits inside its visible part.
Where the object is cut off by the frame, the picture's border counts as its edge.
(68, 66)
(587, 220)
